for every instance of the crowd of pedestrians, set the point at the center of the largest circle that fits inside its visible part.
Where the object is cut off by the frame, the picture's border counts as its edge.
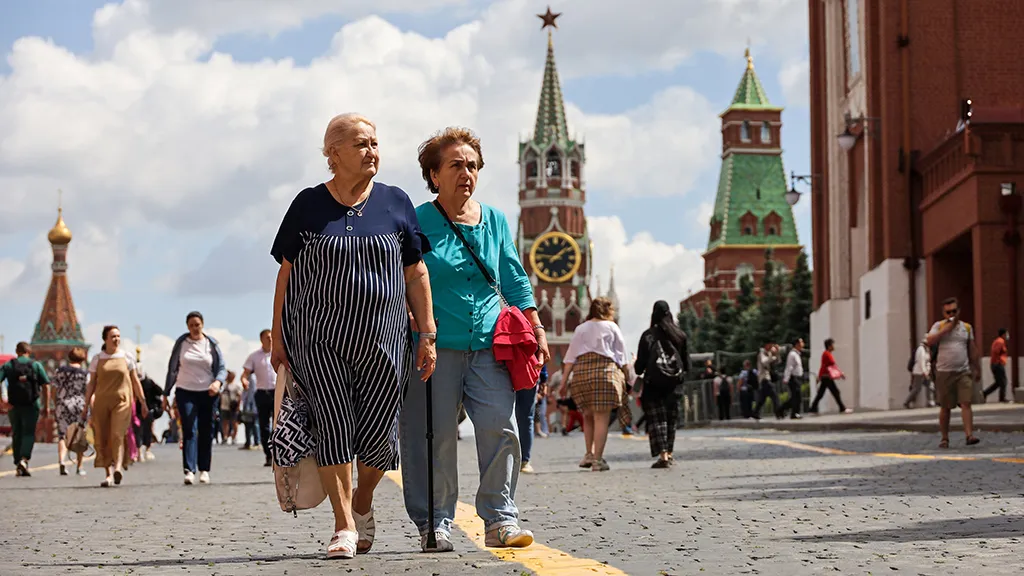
(392, 321)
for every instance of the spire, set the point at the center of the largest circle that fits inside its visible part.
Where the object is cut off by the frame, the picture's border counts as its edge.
(612, 295)
(550, 126)
(58, 328)
(59, 234)
(750, 93)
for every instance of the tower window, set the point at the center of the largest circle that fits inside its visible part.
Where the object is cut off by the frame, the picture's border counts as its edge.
(745, 131)
(554, 165)
(748, 231)
(771, 231)
(766, 132)
(531, 168)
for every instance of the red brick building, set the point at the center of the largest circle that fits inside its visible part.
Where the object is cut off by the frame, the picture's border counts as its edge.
(907, 203)
(751, 213)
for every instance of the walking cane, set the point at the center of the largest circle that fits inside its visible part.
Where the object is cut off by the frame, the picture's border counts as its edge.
(431, 537)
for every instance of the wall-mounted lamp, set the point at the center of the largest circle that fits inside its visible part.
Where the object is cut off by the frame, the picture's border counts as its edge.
(847, 139)
(793, 195)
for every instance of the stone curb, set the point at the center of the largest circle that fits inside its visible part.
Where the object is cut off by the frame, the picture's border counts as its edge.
(811, 426)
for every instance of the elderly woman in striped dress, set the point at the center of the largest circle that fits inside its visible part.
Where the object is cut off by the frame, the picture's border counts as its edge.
(351, 256)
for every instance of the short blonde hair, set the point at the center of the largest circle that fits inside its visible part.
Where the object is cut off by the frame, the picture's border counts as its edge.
(338, 128)
(430, 151)
(601, 308)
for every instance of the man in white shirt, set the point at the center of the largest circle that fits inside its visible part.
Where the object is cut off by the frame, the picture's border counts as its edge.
(793, 376)
(258, 365)
(956, 369)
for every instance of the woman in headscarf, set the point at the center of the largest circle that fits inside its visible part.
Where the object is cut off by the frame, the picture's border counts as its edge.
(597, 362)
(467, 308)
(663, 360)
(351, 256)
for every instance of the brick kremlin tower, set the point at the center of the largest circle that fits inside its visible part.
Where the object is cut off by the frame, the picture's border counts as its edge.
(552, 234)
(58, 330)
(751, 213)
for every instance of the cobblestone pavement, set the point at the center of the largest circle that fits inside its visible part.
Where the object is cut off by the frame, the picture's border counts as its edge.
(738, 502)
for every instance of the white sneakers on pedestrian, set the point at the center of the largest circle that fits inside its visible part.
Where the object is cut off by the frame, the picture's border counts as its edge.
(443, 542)
(190, 478)
(149, 455)
(204, 477)
(526, 468)
(508, 536)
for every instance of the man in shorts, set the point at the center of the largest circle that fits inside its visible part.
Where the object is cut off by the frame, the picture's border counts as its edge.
(956, 369)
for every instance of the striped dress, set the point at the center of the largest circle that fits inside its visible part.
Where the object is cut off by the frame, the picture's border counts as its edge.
(344, 321)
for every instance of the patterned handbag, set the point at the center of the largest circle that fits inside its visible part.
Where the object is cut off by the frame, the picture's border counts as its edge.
(295, 469)
(77, 439)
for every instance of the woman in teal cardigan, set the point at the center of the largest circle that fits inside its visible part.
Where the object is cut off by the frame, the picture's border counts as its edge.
(466, 308)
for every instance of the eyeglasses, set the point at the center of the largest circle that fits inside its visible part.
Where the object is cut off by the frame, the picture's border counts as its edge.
(951, 311)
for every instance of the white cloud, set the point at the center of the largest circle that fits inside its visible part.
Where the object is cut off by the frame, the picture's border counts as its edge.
(645, 271)
(702, 214)
(795, 79)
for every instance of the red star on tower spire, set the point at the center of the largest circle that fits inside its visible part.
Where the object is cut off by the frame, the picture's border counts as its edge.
(549, 18)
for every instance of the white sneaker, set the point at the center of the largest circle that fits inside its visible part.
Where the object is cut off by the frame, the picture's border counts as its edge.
(526, 468)
(190, 478)
(150, 456)
(204, 477)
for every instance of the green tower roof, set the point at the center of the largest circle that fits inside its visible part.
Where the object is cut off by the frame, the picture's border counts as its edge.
(550, 126)
(750, 94)
(755, 184)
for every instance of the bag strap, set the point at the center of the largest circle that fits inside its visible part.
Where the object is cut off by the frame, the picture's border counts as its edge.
(469, 248)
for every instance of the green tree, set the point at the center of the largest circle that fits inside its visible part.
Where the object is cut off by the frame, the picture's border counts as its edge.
(725, 321)
(747, 296)
(687, 321)
(770, 324)
(705, 327)
(800, 302)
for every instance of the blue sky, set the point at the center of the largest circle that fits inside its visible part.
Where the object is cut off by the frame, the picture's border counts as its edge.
(156, 238)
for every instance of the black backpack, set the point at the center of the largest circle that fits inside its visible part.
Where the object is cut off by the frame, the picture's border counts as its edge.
(666, 367)
(22, 383)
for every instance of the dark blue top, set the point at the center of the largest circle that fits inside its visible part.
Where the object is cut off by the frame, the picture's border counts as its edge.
(386, 211)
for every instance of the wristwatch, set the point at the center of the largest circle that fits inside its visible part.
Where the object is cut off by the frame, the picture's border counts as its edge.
(428, 335)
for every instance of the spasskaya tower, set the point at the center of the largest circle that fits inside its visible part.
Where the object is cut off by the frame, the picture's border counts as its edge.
(552, 236)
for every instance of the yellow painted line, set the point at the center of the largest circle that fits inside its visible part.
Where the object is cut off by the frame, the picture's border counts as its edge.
(832, 451)
(541, 559)
(33, 469)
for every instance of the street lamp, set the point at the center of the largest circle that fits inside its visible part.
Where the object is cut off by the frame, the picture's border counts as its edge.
(847, 139)
(793, 195)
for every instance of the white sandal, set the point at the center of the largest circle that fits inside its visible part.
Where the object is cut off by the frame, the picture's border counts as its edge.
(343, 545)
(367, 528)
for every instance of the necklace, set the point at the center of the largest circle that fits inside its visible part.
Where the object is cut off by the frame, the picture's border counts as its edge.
(358, 206)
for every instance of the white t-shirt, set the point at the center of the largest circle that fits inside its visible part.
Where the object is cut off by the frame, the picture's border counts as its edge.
(128, 357)
(953, 356)
(195, 365)
(231, 393)
(259, 364)
(599, 336)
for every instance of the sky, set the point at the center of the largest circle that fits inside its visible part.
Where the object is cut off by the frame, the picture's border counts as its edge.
(180, 130)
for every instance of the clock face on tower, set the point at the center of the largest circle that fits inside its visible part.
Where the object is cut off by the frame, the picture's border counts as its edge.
(555, 257)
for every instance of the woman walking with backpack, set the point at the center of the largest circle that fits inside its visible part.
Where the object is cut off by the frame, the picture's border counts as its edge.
(663, 361)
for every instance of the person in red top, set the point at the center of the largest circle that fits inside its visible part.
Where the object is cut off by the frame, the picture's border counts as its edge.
(827, 376)
(998, 365)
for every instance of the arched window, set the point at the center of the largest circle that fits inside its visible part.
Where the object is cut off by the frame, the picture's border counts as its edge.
(745, 131)
(742, 270)
(574, 168)
(531, 167)
(766, 132)
(554, 165)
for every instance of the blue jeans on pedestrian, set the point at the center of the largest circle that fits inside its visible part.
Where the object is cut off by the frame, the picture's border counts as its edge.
(526, 404)
(196, 411)
(542, 412)
(484, 387)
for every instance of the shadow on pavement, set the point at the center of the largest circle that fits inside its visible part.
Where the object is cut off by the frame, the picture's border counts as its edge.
(167, 562)
(905, 478)
(961, 528)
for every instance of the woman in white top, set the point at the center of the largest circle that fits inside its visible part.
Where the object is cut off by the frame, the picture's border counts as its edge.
(597, 361)
(196, 368)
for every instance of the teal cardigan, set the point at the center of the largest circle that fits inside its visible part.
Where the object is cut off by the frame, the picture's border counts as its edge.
(467, 308)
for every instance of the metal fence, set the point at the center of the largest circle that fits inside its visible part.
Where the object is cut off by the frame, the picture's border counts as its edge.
(698, 404)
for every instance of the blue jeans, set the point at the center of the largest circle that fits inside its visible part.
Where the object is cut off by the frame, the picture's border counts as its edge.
(484, 387)
(542, 410)
(526, 404)
(196, 411)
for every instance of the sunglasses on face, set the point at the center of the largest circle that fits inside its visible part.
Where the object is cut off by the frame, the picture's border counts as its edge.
(951, 311)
